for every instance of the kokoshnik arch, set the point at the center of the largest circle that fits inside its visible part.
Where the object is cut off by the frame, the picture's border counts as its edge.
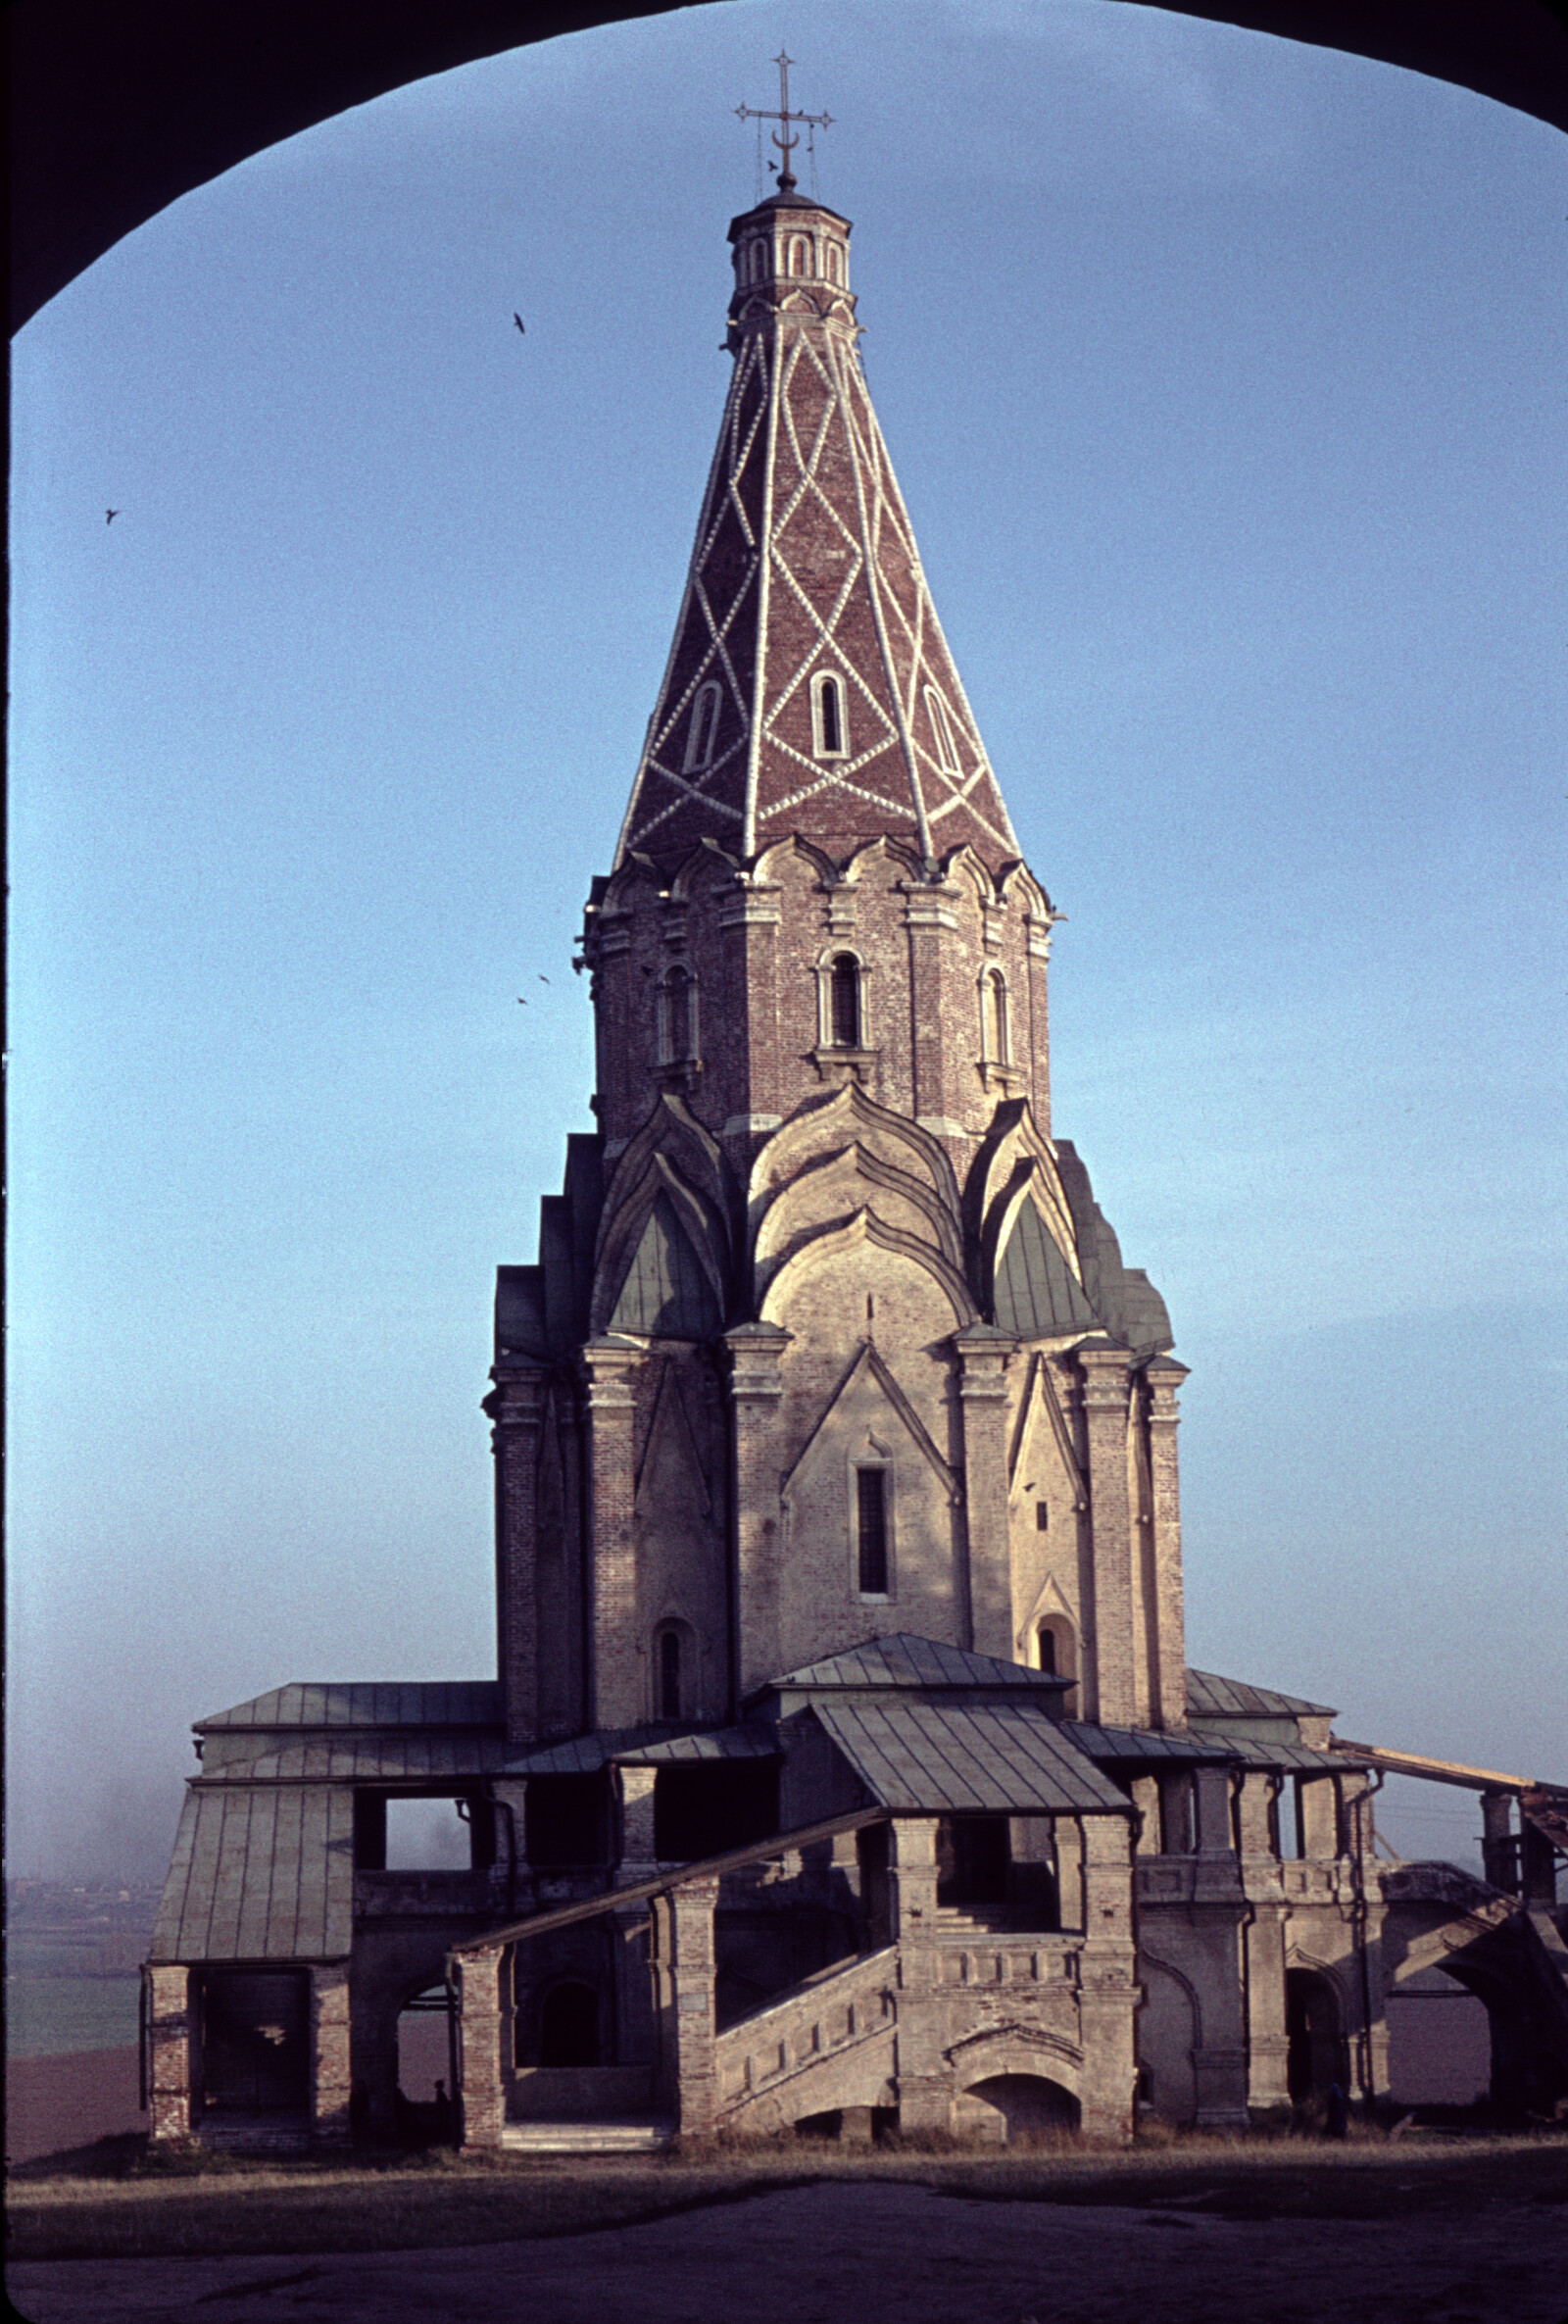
(844, 1762)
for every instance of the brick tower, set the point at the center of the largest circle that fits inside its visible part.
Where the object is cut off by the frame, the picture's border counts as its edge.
(827, 1338)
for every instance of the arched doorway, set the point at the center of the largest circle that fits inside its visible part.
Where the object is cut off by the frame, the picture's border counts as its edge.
(1013, 2109)
(1315, 2058)
(569, 2026)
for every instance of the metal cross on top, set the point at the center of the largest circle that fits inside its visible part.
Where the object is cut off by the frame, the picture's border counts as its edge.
(786, 143)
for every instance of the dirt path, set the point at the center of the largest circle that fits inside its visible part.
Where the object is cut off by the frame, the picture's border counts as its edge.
(844, 2253)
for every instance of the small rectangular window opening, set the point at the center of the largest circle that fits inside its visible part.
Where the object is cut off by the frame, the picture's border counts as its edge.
(871, 1530)
(1042, 1516)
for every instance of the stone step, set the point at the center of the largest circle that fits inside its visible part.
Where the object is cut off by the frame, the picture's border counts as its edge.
(587, 2138)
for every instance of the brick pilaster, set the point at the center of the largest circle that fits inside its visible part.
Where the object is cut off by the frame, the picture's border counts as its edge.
(985, 1587)
(516, 1409)
(1110, 1692)
(609, 1367)
(756, 1352)
(481, 2015)
(331, 2077)
(1169, 1690)
(684, 1975)
(924, 2078)
(749, 919)
(942, 1100)
(1107, 1991)
(170, 2062)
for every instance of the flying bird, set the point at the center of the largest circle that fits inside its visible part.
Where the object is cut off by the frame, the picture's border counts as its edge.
(521, 1003)
(518, 320)
(110, 515)
(543, 980)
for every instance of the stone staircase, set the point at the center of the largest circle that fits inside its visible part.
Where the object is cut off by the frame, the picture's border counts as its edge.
(835, 2030)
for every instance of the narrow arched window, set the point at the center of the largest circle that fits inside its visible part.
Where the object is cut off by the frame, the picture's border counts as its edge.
(942, 733)
(677, 996)
(1047, 1644)
(704, 728)
(994, 1018)
(829, 729)
(844, 1002)
(799, 255)
(833, 263)
(670, 1674)
(759, 260)
(872, 1531)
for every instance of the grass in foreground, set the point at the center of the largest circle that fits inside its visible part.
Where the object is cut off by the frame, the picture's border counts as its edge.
(111, 2205)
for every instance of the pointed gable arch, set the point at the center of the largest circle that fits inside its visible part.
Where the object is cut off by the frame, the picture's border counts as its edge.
(665, 1292)
(672, 1159)
(1036, 1295)
(868, 1369)
(1014, 1162)
(846, 1117)
(831, 1188)
(815, 1256)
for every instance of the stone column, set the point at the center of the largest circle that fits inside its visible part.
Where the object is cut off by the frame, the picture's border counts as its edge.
(516, 1409)
(1107, 1987)
(1110, 1688)
(171, 2066)
(685, 1976)
(755, 1353)
(482, 2013)
(1169, 1675)
(331, 2076)
(924, 2080)
(983, 1583)
(610, 1366)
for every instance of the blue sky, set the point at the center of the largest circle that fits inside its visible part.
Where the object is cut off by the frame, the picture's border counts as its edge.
(1223, 379)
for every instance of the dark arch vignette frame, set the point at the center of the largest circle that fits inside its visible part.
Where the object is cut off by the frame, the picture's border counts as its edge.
(119, 107)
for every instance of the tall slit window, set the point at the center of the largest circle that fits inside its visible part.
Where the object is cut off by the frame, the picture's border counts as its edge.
(833, 263)
(829, 730)
(670, 1674)
(676, 998)
(799, 255)
(844, 1002)
(872, 1531)
(703, 731)
(994, 1018)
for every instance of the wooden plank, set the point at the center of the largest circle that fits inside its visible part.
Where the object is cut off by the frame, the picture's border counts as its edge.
(701, 1868)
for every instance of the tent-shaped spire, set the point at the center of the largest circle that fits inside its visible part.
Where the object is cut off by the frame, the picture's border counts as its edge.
(809, 688)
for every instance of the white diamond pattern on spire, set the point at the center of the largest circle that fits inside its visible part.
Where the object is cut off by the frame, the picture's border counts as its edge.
(806, 564)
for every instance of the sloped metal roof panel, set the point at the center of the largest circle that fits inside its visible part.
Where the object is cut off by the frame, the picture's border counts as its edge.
(904, 1660)
(719, 1743)
(1299, 1758)
(394, 1757)
(1213, 1697)
(442, 1703)
(939, 1758)
(260, 1873)
(1122, 1744)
